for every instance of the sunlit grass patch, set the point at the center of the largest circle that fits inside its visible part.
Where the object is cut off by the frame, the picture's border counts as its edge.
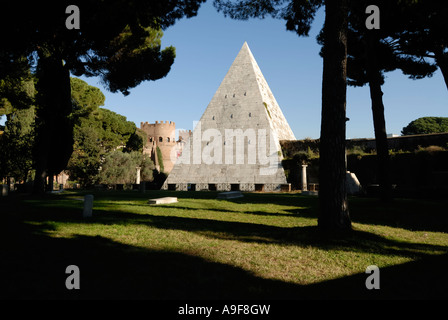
(268, 236)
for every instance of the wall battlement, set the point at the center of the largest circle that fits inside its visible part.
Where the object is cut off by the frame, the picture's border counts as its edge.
(184, 134)
(157, 123)
(159, 129)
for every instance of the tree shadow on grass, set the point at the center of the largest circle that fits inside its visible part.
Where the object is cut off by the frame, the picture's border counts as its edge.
(35, 262)
(425, 278)
(34, 267)
(306, 212)
(410, 214)
(246, 232)
(248, 197)
(304, 236)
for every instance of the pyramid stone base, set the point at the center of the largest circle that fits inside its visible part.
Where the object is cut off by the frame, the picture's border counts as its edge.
(246, 187)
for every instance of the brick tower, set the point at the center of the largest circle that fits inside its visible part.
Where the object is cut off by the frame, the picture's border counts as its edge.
(161, 135)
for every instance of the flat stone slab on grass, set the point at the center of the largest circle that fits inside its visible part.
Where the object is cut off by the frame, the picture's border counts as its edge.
(230, 195)
(163, 200)
(310, 193)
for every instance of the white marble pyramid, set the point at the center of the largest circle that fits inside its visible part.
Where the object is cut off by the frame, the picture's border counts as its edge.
(235, 145)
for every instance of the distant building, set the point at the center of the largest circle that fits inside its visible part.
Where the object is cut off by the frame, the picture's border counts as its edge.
(161, 135)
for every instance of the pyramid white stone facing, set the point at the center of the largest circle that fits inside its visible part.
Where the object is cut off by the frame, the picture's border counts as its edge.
(235, 145)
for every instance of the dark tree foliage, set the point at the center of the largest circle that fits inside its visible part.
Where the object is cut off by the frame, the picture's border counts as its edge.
(136, 141)
(372, 53)
(16, 84)
(376, 48)
(54, 126)
(118, 41)
(16, 143)
(426, 33)
(298, 15)
(86, 99)
(95, 137)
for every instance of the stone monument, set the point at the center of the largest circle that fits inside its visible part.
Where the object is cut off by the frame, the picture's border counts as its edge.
(235, 145)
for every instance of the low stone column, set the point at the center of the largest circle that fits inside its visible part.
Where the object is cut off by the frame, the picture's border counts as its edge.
(138, 175)
(304, 183)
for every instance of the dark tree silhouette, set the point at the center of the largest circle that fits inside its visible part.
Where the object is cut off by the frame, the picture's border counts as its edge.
(371, 53)
(118, 41)
(334, 211)
(426, 33)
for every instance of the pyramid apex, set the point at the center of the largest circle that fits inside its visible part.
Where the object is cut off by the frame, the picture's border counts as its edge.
(245, 51)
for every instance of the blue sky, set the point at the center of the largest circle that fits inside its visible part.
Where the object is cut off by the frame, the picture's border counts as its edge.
(206, 46)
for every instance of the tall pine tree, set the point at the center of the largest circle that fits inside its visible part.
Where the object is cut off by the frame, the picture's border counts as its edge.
(119, 41)
(372, 53)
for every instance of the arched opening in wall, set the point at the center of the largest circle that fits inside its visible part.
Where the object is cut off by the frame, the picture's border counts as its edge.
(150, 139)
(259, 187)
(168, 139)
(160, 139)
(171, 186)
(212, 187)
(192, 187)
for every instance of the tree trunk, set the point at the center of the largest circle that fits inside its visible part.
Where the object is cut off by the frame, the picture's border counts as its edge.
(442, 63)
(41, 153)
(379, 122)
(54, 129)
(333, 206)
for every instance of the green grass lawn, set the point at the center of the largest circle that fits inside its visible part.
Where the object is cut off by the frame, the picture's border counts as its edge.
(259, 246)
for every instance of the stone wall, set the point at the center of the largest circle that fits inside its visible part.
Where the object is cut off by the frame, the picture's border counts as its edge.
(246, 187)
(404, 143)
